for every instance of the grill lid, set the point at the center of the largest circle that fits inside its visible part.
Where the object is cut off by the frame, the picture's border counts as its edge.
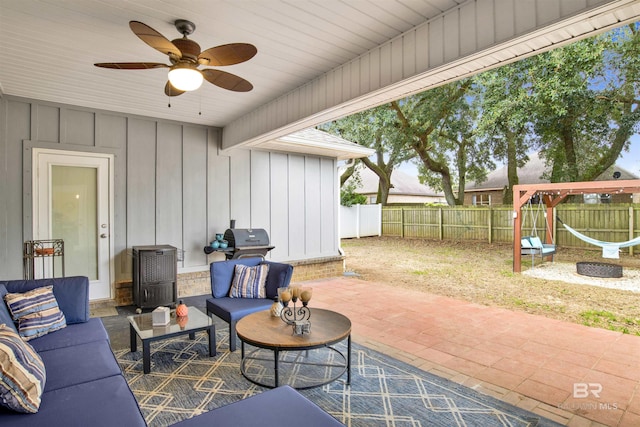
(246, 237)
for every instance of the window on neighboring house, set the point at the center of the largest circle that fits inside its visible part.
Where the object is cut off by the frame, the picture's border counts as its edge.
(372, 200)
(482, 199)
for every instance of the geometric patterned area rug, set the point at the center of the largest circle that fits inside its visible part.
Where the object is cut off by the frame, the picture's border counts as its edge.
(184, 381)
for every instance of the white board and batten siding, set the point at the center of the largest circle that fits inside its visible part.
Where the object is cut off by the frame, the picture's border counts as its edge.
(172, 185)
(293, 197)
(468, 39)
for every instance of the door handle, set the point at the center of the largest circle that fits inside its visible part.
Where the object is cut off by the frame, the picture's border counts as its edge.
(103, 236)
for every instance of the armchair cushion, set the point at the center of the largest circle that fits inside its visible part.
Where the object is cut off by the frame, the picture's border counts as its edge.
(233, 309)
(249, 282)
(279, 277)
(222, 274)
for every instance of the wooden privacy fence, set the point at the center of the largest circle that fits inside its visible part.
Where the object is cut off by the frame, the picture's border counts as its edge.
(607, 222)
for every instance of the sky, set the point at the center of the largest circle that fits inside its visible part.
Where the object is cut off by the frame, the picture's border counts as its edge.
(631, 160)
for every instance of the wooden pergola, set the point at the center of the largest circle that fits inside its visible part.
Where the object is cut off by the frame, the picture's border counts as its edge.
(552, 195)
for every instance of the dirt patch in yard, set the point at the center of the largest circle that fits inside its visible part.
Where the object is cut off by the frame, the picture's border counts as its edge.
(482, 273)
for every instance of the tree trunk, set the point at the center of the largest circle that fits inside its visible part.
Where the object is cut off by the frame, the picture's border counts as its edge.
(384, 177)
(421, 147)
(512, 168)
(384, 185)
(461, 162)
(570, 152)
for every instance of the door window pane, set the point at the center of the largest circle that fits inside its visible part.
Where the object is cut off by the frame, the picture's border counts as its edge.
(74, 218)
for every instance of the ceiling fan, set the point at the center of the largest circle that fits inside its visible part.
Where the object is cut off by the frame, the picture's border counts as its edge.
(185, 57)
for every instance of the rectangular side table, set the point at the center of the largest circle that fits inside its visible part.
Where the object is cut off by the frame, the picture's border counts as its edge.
(141, 326)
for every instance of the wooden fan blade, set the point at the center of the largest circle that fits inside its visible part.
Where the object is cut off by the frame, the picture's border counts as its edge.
(154, 39)
(169, 90)
(131, 65)
(226, 80)
(227, 54)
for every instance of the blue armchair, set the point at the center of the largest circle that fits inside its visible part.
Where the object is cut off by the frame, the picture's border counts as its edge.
(233, 309)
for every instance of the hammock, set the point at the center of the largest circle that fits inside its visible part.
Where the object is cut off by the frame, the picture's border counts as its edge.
(609, 249)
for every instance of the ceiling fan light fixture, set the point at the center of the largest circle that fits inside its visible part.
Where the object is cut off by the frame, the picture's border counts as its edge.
(186, 56)
(185, 78)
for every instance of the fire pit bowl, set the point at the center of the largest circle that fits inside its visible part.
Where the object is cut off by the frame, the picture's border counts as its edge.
(599, 269)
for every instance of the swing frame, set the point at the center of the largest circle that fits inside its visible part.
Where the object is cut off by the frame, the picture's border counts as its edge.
(552, 194)
(534, 245)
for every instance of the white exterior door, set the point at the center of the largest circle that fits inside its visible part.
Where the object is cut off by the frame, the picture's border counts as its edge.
(73, 201)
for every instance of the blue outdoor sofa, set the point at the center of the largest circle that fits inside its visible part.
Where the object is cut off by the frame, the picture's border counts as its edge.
(84, 385)
(273, 408)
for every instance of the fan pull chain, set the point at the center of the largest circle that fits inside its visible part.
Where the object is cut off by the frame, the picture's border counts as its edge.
(200, 107)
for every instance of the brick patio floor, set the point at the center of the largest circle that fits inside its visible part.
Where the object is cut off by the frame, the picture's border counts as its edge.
(573, 374)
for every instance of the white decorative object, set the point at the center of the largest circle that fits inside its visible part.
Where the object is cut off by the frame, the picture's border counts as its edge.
(276, 309)
(160, 316)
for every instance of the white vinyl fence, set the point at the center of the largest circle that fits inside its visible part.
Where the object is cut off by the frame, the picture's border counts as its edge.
(360, 221)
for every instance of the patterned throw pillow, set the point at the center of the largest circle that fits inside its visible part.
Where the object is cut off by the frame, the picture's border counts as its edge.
(23, 374)
(36, 312)
(249, 282)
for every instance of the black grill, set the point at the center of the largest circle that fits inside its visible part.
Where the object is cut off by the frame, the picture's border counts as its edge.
(247, 242)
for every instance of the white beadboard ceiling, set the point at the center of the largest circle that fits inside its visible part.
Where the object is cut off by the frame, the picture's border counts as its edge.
(48, 47)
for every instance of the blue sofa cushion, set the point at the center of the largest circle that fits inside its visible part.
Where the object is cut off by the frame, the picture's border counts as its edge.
(72, 294)
(279, 276)
(23, 373)
(5, 316)
(78, 333)
(222, 274)
(106, 402)
(267, 409)
(233, 309)
(79, 364)
(36, 312)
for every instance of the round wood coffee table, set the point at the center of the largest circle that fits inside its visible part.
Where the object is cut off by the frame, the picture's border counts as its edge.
(303, 369)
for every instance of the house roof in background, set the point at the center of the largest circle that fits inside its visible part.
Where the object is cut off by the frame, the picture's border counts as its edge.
(403, 184)
(531, 173)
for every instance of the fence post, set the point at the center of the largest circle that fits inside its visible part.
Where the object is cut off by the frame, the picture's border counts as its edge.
(490, 225)
(402, 222)
(440, 225)
(358, 221)
(631, 231)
